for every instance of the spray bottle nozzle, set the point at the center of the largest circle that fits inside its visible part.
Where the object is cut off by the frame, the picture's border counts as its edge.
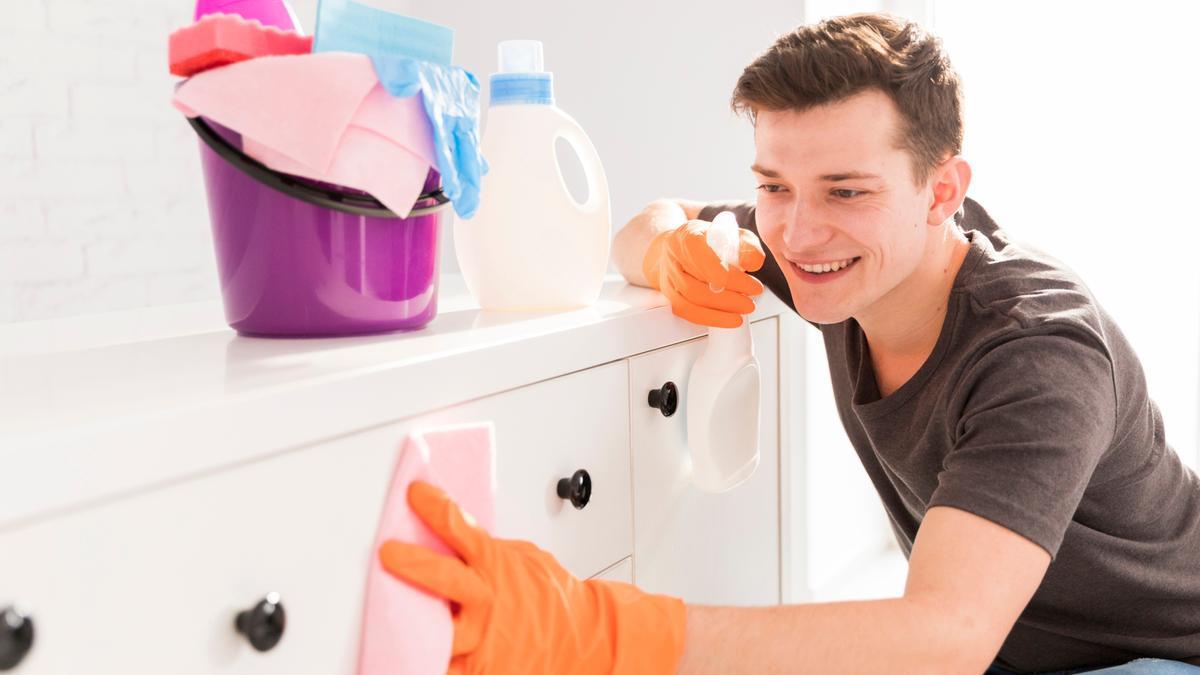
(724, 240)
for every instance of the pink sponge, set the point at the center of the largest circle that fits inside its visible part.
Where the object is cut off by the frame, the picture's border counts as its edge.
(220, 39)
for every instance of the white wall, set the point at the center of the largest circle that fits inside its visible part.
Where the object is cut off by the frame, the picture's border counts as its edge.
(100, 199)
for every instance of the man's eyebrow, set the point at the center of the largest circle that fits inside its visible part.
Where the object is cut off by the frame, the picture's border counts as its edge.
(831, 177)
(769, 173)
(848, 175)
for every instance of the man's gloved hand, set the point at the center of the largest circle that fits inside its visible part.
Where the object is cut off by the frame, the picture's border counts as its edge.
(681, 265)
(519, 611)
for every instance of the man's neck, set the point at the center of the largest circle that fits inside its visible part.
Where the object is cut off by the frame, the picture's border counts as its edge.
(902, 328)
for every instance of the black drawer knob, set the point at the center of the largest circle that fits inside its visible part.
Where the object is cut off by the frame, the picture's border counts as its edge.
(263, 624)
(665, 399)
(577, 488)
(16, 637)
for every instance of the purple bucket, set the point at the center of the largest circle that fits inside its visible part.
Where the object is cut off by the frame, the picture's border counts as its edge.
(299, 258)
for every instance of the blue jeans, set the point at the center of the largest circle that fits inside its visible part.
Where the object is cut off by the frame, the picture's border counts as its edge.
(1135, 667)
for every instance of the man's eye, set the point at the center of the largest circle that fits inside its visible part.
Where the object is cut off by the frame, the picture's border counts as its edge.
(770, 188)
(844, 193)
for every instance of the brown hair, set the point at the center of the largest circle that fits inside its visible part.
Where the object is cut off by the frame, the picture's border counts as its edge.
(840, 57)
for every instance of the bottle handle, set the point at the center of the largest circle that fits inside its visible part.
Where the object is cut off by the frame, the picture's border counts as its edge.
(593, 171)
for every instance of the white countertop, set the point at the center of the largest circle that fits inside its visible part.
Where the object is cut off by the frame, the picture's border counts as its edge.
(92, 407)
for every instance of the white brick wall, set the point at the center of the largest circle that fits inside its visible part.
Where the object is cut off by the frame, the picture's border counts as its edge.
(101, 200)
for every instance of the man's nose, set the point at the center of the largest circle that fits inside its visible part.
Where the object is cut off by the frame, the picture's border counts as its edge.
(805, 230)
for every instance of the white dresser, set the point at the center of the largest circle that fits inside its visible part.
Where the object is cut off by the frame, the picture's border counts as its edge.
(160, 475)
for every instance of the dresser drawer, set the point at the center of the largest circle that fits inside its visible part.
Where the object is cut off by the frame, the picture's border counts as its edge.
(702, 547)
(153, 583)
(547, 432)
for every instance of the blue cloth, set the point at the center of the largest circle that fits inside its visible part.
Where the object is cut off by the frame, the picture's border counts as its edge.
(348, 26)
(1135, 667)
(451, 99)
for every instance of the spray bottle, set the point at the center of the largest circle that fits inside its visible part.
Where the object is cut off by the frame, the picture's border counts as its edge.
(723, 390)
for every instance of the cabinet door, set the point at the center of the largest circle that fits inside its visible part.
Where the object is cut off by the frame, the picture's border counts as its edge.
(152, 583)
(706, 548)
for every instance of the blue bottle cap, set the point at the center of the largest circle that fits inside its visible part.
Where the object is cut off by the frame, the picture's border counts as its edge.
(521, 79)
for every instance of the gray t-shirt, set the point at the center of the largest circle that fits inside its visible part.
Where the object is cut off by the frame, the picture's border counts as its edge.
(1032, 412)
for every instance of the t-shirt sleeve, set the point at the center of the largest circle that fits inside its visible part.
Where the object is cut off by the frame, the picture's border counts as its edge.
(770, 275)
(1035, 414)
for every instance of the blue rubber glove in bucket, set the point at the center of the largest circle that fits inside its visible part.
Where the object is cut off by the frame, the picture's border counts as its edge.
(410, 57)
(451, 99)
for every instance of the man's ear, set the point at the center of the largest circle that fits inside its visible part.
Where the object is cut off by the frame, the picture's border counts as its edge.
(948, 188)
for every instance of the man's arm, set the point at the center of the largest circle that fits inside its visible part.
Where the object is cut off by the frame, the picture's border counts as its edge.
(968, 581)
(629, 246)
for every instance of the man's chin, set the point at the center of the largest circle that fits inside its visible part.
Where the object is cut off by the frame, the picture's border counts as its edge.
(821, 316)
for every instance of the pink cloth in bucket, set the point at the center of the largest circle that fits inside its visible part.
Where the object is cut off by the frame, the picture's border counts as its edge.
(365, 161)
(321, 116)
(407, 631)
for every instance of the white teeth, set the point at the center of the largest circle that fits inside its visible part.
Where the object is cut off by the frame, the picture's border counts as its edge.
(826, 267)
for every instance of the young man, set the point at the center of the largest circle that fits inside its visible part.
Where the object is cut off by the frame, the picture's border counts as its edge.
(998, 410)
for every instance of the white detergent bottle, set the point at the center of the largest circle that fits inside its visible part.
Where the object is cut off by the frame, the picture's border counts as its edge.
(723, 390)
(531, 245)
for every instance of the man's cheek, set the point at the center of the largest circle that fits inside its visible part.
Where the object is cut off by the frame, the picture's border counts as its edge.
(770, 233)
(768, 244)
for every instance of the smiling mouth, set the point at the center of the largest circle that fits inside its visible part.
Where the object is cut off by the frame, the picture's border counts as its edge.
(826, 268)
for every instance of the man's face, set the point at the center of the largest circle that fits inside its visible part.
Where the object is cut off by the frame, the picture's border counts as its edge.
(833, 187)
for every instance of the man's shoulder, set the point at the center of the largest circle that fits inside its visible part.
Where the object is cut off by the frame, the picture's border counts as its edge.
(1018, 284)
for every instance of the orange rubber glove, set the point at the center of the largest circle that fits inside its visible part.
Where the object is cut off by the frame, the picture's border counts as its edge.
(681, 264)
(519, 611)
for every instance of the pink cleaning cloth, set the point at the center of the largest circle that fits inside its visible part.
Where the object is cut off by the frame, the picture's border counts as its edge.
(407, 631)
(221, 39)
(322, 116)
(366, 160)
